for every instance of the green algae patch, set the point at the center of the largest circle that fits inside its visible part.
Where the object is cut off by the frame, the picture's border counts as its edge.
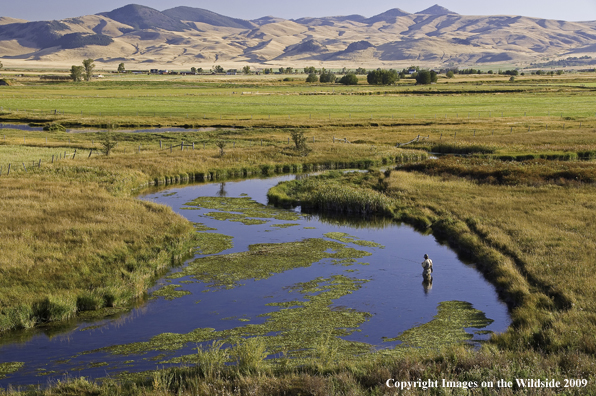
(285, 225)
(212, 243)
(170, 292)
(203, 227)
(244, 206)
(169, 194)
(239, 218)
(447, 327)
(346, 238)
(285, 330)
(9, 368)
(262, 261)
(309, 228)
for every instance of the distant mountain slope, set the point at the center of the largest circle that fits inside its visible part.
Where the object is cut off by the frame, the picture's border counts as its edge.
(142, 17)
(187, 36)
(206, 16)
(436, 10)
(388, 16)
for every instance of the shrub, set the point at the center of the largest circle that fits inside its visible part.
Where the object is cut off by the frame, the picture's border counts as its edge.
(382, 77)
(312, 77)
(426, 77)
(327, 76)
(349, 79)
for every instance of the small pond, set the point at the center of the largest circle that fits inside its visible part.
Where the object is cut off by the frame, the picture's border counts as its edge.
(305, 276)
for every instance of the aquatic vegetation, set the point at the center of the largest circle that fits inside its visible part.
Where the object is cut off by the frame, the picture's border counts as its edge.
(264, 260)
(346, 238)
(9, 367)
(240, 218)
(285, 225)
(170, 292)
(203, 227)
(244, 205)
(447, 327)
(284, 330)
(212, 243)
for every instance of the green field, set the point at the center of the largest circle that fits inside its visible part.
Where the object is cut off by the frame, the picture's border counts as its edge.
(195, 101)
(515, 198)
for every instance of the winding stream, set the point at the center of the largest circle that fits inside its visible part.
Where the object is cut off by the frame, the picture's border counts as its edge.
(369, 270)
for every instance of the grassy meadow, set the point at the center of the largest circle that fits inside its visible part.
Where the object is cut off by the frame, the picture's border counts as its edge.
(516, 197)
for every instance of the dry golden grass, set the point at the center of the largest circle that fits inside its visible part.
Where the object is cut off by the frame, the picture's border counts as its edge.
(547, 235)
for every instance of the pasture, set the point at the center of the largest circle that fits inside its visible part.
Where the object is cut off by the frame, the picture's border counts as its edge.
(520, 207)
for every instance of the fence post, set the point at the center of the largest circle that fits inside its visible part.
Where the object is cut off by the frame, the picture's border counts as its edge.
(474, 132)
(52, 158)
(288, 140)
(193, 145)
(441, 138)
(90, 151)
(333, 139)
(73, 154)
(182, 146)
(39, 164)
(139, 149)
(8, 173)
(160, 144)
(24, 167)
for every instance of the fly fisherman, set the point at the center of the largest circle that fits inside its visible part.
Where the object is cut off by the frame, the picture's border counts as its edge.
(427, 265)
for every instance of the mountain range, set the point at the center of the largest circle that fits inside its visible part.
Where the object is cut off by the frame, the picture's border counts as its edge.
(185, 37)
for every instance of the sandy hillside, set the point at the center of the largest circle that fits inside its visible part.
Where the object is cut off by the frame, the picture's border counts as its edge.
(393, 39)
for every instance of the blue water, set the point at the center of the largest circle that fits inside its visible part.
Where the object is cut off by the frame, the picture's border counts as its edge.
(394, 293)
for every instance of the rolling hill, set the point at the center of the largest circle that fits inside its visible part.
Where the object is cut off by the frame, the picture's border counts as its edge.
(182, 37)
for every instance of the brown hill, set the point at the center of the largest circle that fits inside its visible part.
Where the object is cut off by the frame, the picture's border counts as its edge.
(182, 37)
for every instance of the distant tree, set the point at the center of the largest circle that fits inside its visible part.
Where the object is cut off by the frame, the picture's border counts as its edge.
(289, 70)
(121, 68)
(382, 77)
(76, 73)
(221, 145)
(327, 76)
(200, 70)
(300, 142)
(539, 72)
(450, 74)
(426, 77)
(361, 70)
(218, 69)
(312, 77)
(310, 70)
(1, 65)
(88, 65)
(490, 72)
(349, 79)
(512, 79)
(267, 71)
(107, 141)
(281, 70)
(193, 70)
(246, 70)
(559, 72)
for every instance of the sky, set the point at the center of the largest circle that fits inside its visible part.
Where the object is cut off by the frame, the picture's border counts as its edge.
(570, 10)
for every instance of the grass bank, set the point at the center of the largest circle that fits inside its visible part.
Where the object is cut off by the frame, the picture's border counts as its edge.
(529, 233)
(75, 238)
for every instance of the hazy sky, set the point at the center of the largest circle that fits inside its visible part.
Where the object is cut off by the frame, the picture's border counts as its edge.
(570, 10)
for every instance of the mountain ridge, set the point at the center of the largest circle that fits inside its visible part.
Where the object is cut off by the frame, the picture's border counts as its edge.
(194, 36)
